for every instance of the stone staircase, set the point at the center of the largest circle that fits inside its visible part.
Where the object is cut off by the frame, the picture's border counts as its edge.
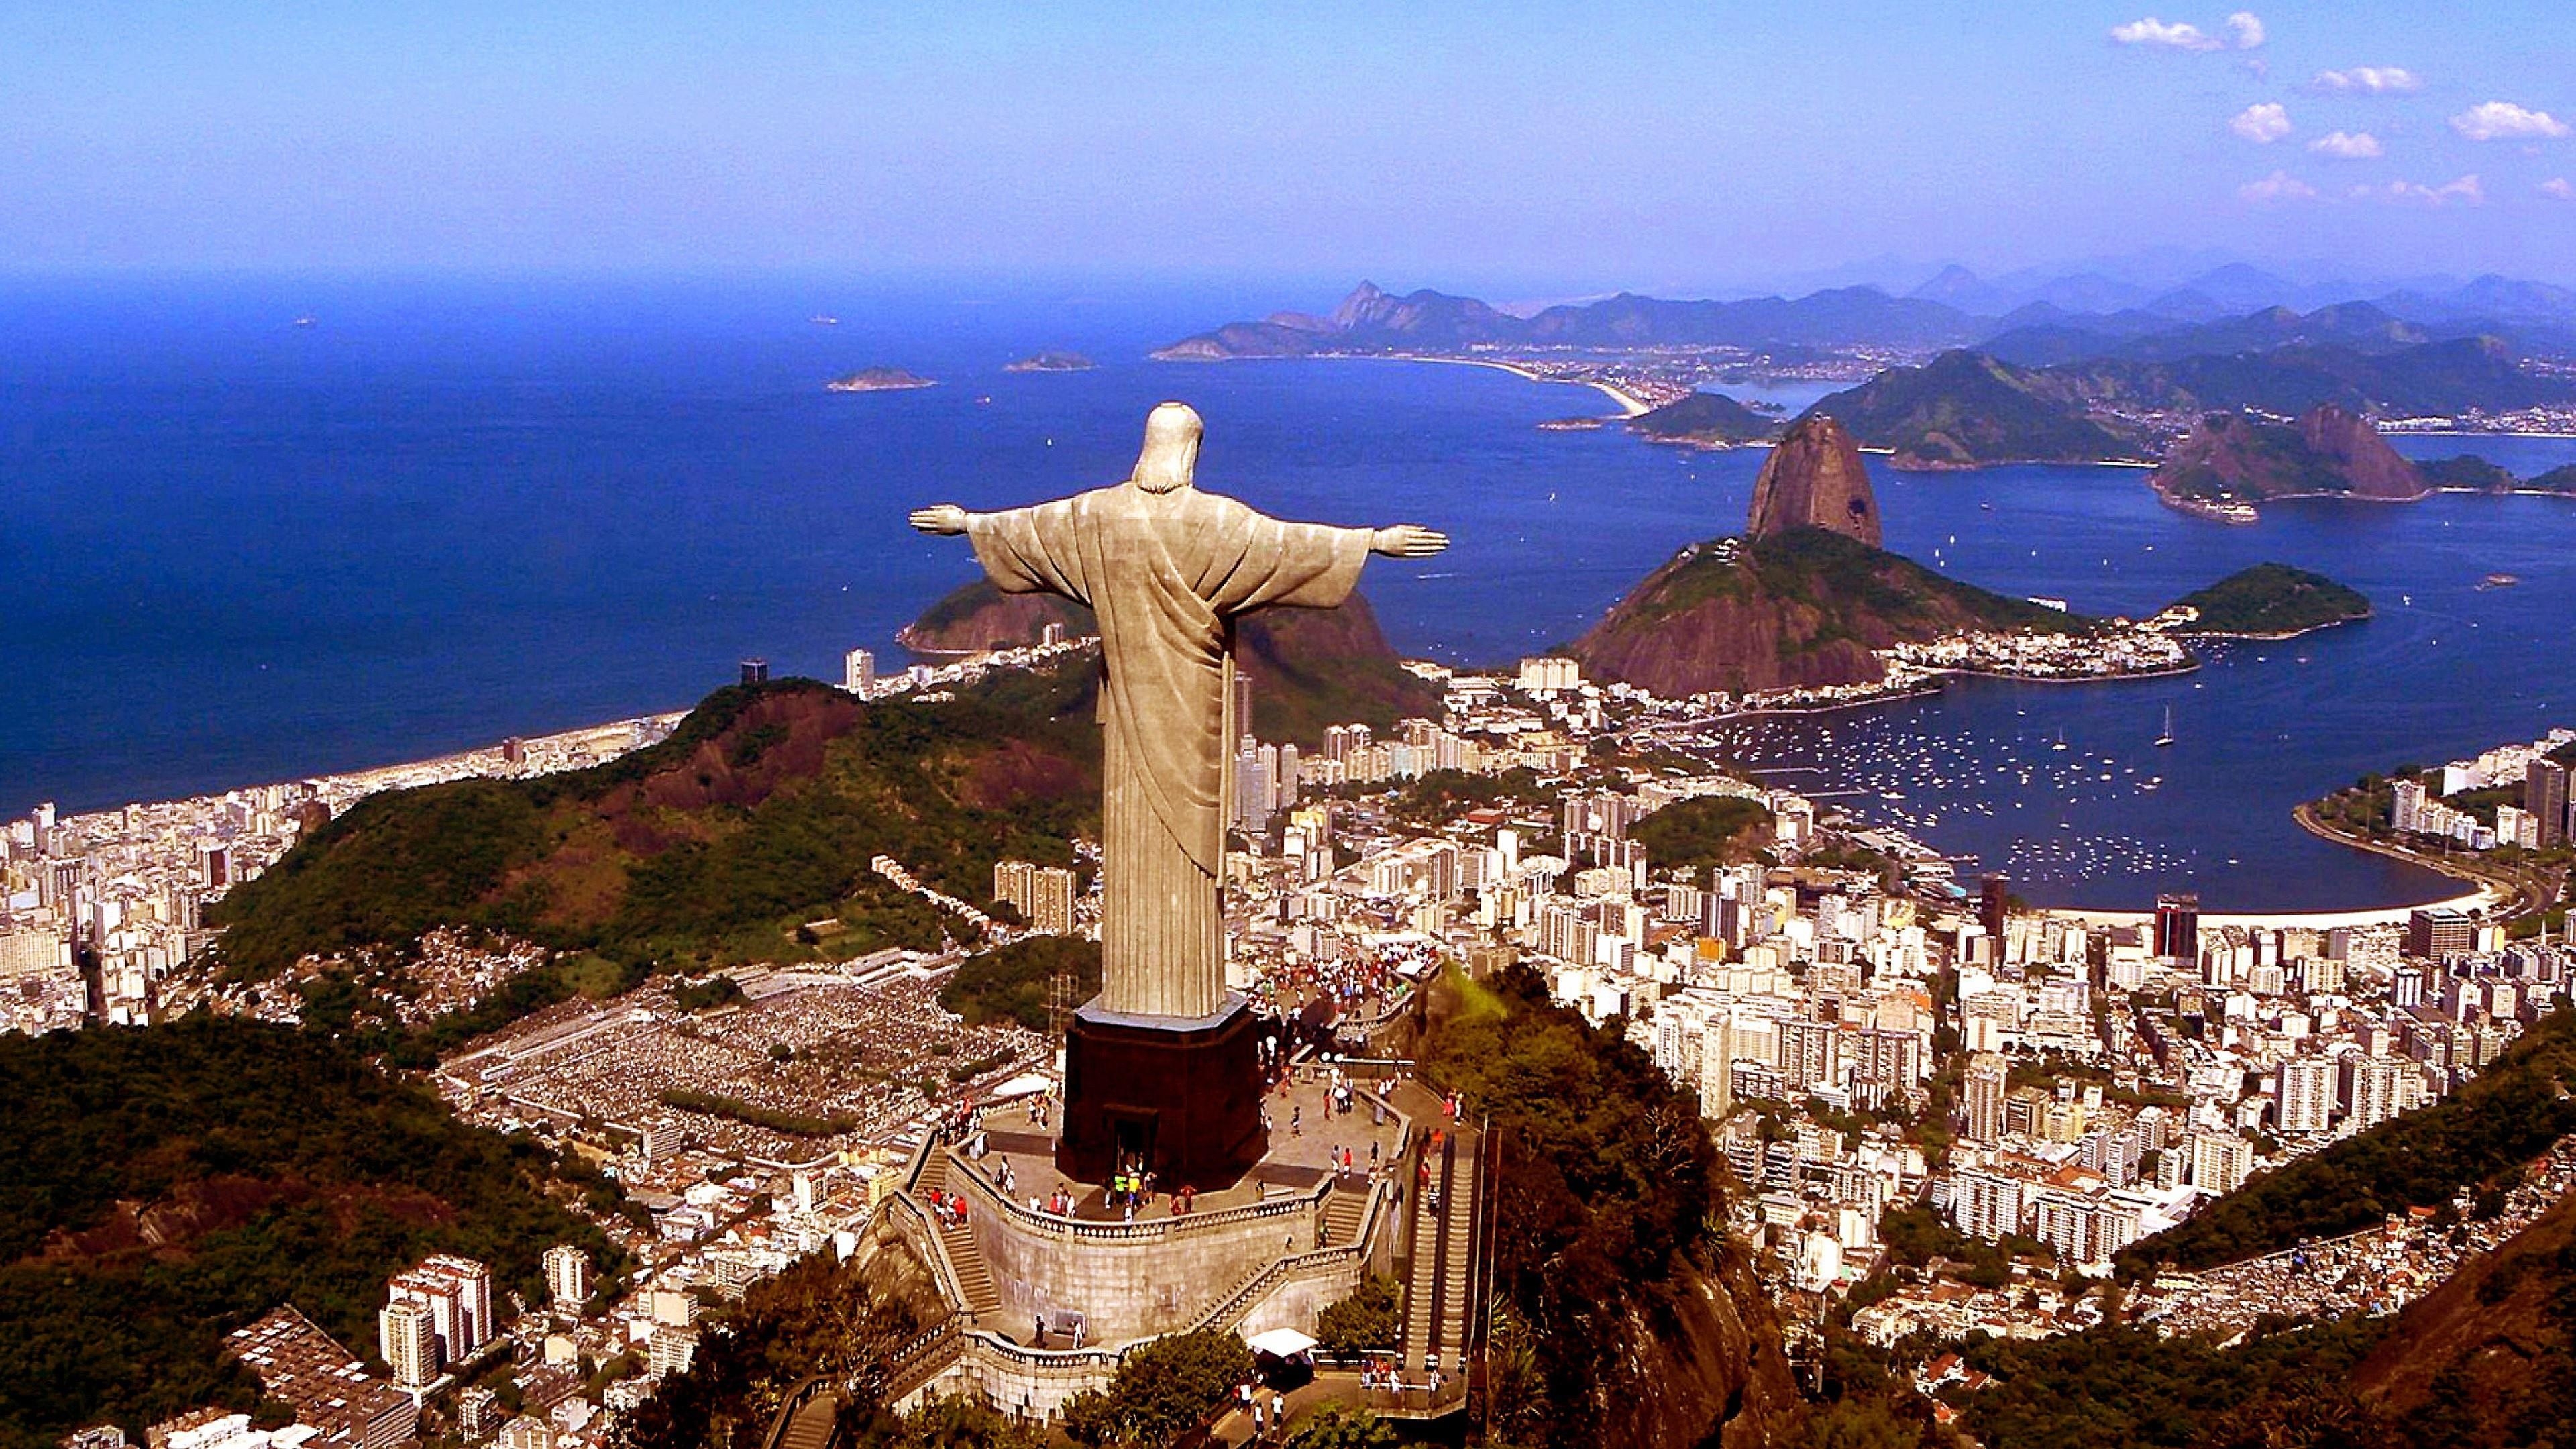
(974, 1276)
(811, 1425)
(1345, 1214)
(1439, 1296)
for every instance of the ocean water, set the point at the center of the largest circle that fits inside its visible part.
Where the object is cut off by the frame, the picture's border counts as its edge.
(235, 549)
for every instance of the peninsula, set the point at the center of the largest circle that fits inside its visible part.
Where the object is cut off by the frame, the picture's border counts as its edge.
(2232, 462)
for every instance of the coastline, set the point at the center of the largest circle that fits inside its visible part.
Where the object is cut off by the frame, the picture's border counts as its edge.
(1630, 405)
(2488, 893)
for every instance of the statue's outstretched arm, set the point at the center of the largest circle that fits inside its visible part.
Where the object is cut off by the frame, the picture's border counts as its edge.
(1403, 540)
(941, 518)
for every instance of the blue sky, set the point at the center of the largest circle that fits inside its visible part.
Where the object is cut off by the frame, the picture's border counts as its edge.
(1509, 150)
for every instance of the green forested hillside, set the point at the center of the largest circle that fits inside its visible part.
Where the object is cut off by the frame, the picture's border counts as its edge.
(760, 814)
(165, 1185)
(2273, 599)
(2506, 1116)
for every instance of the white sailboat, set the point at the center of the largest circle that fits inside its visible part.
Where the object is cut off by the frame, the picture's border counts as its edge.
(2168, 736)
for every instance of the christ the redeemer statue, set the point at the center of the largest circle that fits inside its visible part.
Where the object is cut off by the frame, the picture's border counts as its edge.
(1167, 569)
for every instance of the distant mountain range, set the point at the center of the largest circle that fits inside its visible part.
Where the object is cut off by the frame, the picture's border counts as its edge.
(2061, 319)
(1372, 320)
(1968, 409)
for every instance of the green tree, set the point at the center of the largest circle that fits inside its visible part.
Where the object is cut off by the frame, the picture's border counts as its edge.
(1163, 1389)
(1337, 1426)
(1366, 1320)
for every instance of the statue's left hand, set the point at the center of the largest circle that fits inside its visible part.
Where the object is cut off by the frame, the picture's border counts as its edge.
(1408, 540)
(940, 518)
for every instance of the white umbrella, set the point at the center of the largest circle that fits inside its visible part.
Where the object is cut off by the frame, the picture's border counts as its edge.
(1282, 1343)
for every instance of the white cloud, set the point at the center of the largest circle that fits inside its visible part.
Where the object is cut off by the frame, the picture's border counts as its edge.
(2247, 27)
(2374, 80)
(2467, 191)
(2262, 124)
(2279, 186)
(2347, 146)
(2558, 186)
(2505, 121)
(2177, 36)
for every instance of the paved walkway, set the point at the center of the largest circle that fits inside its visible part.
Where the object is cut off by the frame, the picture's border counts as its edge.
(1295, 1163)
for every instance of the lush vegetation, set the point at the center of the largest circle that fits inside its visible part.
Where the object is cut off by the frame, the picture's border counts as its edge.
(1711, 830)
(1366, 1321)
(1608, 1188)
(818, 1317)
(1964, 409)
(760, 814)
(2273, 599)
(1337, 1426)
(792, 1124)
(1705, 418)
(1439, 797)
(269, 1166)
(2502, 1119)
(1162, 1389)
(1860, 592)
(1012, 983)
(2124, 1388)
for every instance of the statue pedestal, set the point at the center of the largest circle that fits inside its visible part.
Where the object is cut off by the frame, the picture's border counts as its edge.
(1182, 1095)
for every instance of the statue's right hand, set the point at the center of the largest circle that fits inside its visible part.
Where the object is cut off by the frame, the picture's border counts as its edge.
(940, 518)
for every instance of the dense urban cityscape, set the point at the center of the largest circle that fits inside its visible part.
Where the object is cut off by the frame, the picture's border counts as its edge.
(1881, 1049)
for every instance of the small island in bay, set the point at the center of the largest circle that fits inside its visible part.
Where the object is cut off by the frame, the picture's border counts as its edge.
(1704, 420)
(880, 379)
(2269, 601)
(1052, 362)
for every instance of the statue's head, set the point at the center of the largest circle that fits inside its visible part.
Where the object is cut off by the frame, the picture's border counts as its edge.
(1171, 453)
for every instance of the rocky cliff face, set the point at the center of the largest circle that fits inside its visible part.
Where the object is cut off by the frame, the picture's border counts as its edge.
(1716, 1375)
(2230, 458)
(1310, 667)
(2370, 468)
(1814, 479)
(1798, 609)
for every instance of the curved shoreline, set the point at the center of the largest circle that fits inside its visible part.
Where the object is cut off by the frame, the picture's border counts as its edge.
(1630, 405)
(2488, 892)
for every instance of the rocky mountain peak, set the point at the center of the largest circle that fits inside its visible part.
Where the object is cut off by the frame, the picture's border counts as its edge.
(1815, 479)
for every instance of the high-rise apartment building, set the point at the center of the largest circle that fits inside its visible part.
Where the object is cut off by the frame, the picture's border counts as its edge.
(1993, 895)
(458, 1294)
(407, 1340)
(2545, 795)
(2178, 926)
(1985, 1205)
(2303, 1095)
(859, 673)
(1043, 894)
(2220, 1161)
(2370, 1090)
(568, 1277)
(1985, 1098)
(2439, 932)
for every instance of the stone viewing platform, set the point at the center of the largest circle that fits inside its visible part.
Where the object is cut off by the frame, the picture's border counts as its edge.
(1045, 1302)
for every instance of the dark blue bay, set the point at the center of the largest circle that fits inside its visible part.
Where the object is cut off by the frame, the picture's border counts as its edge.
(233, 549)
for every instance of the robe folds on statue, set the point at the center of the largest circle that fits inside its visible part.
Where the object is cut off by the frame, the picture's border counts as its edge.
(1166, 573)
